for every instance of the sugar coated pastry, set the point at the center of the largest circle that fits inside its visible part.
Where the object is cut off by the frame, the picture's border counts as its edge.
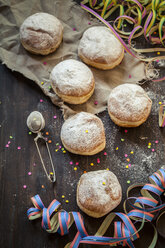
(83, 134)
(72, 81)
(41, 33)
(98, 193)
(100, 48)
(129, 105)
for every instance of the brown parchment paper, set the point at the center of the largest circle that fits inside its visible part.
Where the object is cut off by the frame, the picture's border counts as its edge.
(15, 57)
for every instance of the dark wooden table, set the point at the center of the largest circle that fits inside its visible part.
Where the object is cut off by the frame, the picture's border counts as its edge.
(18, 97)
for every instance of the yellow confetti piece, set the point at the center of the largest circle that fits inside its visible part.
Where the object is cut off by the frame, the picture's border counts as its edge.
(107, 169)
(117, 148)
(75, 168)
(64, 151)
(158, 53)
(42, 83)
(63, 196)
(149, 144)
(126, 166)
(51, 173)
(103, 183)
(92, 164)
(132, 152)
(66, 201)
(86, 131)
(160, 103)
(56, 150)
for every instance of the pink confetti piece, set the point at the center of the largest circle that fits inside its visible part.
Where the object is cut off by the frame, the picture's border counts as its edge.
(129, 165)
(29, 173)
(54, 116)
(96, 102)
(156, 141)
(89, 23)
(73, 29)
(7, 146)
(77, 163)
(45, 63)
(24, 186)
(9, 142)
(71, 162)
(126, 155)
(59, 147)
(105, 153)
(157, 60)
(34, 164)
(41, 100)
(98, 160)
(126, 131)
(153, 150)
(129, 76)
(19, 148)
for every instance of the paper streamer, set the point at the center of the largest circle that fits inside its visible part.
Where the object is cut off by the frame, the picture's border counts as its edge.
(150, 10)
(143, 209)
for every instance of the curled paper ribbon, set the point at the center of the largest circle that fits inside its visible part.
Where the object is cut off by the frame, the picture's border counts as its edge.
(139, 12)
(125, 231)
(162, 115)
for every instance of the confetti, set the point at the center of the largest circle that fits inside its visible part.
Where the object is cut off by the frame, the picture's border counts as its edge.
(47, 133)
(126, 131)
(126, 166)
(149, 147)
(105, 153)
(50, 87)
(64, 151)
(156, 141)
(89, 23)
(56, 150)
(125, 25)
(128, 181)
(42, 83)
(85, 172)
(96, 102)
(51, 173)
(29, 173)
(98, 160)
(92, 164)
(7, 146)
(63, 196)
(43, 186)
(129, 76)
(86, 131)
(19, 148)
(153, 150)
(60, 147)
(11, 137)
(54, 116)
(129, 165)
(66, 201)
(158, 53)
(117, 148)
(122, 139)
(160, 103)
(75, 168)
(34, 164)
(132, 152)
(44, 62)
(30, 133)
(73, 29)
(128, 159)
(149, 144)
(77, 163)
(126, 155)
(103, 183)
(49, 141)
(24, 186)
(107, 169)
(41, 100)
(57, 144)
(71, 162)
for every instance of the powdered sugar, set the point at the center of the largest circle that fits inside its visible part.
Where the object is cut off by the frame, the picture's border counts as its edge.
(99, 188)
(41, 30)
(83, 132)
(99, 43)
(129, 102)
(72, 77)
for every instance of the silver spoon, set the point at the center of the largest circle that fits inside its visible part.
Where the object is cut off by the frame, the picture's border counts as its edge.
(36, 123)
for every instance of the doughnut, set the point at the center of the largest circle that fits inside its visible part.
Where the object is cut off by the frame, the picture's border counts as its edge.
(83, 134)
(41, 33)
(129, 105)
(98, 193)
(72, 81)
(99, 48)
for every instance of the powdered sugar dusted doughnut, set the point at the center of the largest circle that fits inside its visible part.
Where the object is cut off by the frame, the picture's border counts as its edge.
(83, 134)
(129, 105)
(72, 81)
(98, 192)
(41, 33)
(100, 48)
